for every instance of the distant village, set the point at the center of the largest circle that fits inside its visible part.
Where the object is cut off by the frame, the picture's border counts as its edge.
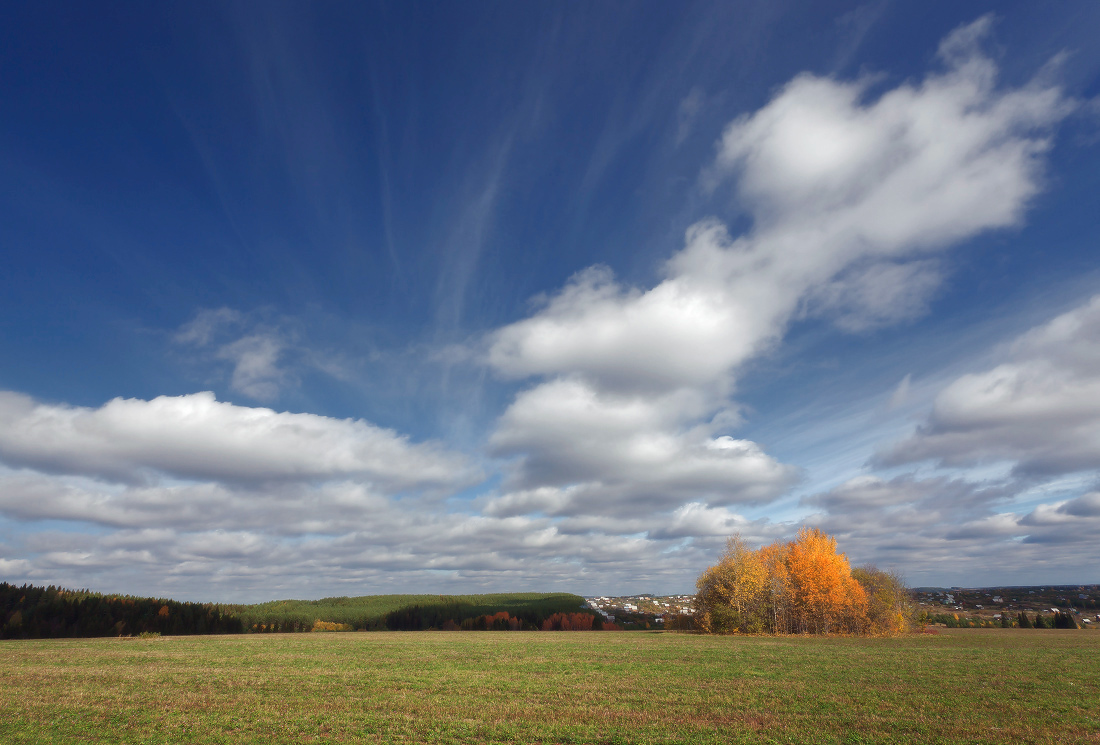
(986, 603)
(644, 611)
(992, 603)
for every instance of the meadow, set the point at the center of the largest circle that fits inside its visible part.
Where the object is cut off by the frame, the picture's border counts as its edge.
(961, 685)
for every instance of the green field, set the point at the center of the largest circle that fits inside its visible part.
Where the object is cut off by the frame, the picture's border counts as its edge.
(957, 686)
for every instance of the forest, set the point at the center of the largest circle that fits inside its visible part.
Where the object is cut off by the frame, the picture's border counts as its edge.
(28, 612)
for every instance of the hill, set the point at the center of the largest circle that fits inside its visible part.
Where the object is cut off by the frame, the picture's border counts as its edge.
(407, 612)
(28, 612)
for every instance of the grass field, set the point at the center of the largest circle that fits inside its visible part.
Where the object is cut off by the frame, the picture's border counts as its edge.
(957, 686)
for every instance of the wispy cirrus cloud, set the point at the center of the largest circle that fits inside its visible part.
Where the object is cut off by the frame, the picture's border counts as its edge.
(262, 355)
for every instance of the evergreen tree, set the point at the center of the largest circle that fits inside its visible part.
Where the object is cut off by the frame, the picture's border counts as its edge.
(1023, 621)
(1064, 620)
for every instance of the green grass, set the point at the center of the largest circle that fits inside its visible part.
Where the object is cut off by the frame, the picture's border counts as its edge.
(958, 686)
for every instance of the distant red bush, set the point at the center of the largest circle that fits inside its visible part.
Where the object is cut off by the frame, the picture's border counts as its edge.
(576, 622)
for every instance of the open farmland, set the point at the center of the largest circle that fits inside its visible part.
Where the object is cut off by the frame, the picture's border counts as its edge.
(959, 685)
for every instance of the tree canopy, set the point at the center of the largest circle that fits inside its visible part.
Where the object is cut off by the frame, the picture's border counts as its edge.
(799, 587)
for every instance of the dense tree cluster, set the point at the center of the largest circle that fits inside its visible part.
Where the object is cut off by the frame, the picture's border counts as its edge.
(1059, 620)
(458, 617)
(577, 622)
(409, 612)
(803, 586)
(29, 612)
(42, 612)
(1064, 621)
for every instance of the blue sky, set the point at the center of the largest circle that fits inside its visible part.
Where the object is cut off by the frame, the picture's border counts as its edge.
(310, 299)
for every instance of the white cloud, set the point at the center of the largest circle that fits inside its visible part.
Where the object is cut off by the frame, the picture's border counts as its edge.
(679, 333)
(954, 530)
(876, 295)
(616, 454)
(14, 567)
(393, 547)
(286, 509)
(257, 351)
(208, 324)
(256, 365)
(1039, 410)
(263, 354)
(834, 183)
(197, 437)
(848, 194)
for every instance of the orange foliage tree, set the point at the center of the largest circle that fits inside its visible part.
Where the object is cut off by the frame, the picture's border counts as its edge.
(571, 622)
(803, 586)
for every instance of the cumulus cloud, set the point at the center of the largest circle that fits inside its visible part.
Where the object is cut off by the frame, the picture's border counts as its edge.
(849, 194)
(391, 548)
(285, 509)
(830, 180)
(1039, 410)
(1036, 416)
(200, 438)
(954, 529)
(627, 452)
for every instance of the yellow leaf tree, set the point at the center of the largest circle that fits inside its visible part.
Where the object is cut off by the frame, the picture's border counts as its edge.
(802, 586)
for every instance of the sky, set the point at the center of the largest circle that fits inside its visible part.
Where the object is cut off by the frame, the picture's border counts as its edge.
(311, 299)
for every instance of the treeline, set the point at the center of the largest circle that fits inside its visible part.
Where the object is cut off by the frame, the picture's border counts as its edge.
(28, 612)
(521, 612)
(1058, 620)
(417, 619)
(405, 612)
(578, 622)
(804, 586)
